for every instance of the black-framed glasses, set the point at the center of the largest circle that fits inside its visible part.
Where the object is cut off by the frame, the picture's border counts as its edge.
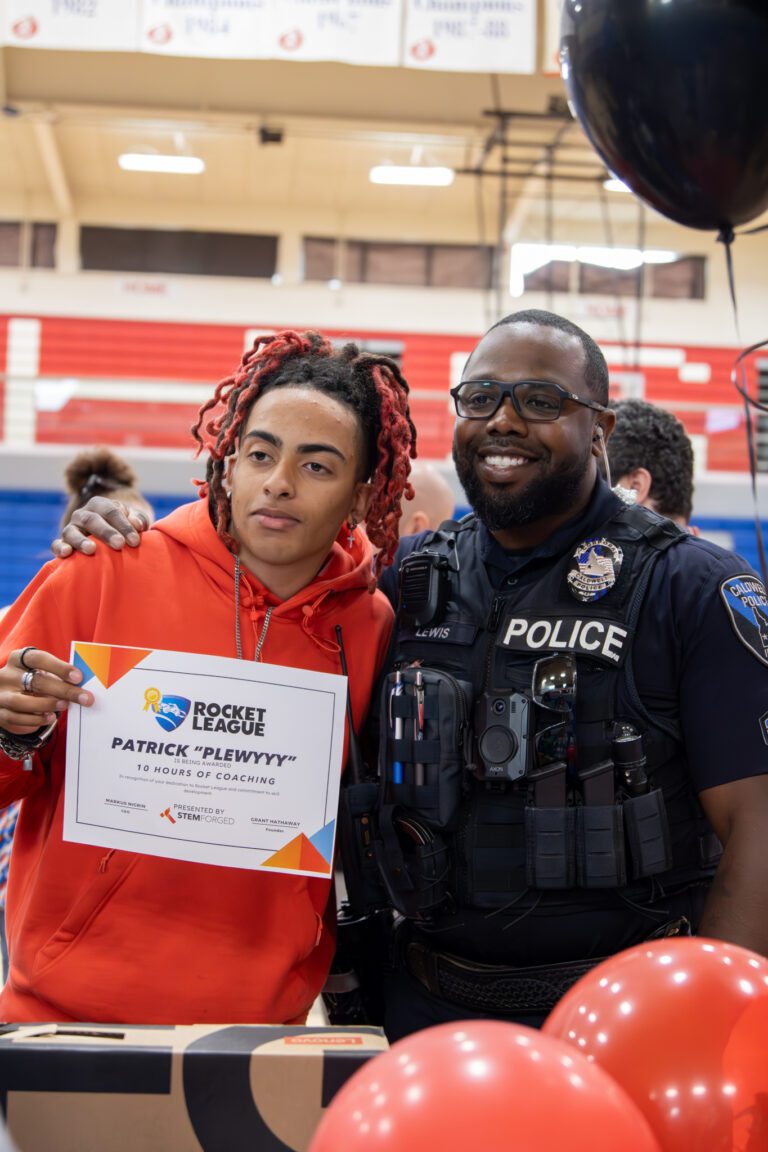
(536, 400)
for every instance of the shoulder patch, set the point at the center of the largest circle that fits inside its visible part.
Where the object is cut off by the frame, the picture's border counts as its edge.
(764, 726)
(747, 606)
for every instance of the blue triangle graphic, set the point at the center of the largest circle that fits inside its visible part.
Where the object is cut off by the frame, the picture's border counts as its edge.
(83, 667)
(323, 841)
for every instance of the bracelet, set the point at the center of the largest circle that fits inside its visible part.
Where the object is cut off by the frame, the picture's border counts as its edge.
(21, 747)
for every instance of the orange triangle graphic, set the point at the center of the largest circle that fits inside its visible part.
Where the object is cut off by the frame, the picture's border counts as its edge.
(299, 853)
(96, 657)
(289, 856)
(109, 664)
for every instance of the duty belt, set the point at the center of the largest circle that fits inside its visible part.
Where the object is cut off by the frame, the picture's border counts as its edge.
(492, 988)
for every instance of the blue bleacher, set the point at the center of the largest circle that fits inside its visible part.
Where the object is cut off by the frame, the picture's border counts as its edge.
(28, 523)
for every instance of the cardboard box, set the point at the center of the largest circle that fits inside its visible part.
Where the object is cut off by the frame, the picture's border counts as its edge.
(216, 1088)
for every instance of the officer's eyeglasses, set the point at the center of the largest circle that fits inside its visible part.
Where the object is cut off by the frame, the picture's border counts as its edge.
(539, 401)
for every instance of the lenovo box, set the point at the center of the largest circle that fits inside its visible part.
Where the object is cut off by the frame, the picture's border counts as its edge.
(225, 1088)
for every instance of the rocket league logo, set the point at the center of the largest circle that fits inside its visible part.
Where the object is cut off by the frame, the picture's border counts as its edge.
(170, 711)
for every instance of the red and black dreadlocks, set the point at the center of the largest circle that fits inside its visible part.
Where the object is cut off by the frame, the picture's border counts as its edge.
(372, 386)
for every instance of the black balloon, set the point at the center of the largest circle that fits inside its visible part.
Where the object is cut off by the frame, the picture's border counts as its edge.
(673, 96)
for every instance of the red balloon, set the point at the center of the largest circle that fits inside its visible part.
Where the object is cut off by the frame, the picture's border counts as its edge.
(682, 1025)
(486, 1085)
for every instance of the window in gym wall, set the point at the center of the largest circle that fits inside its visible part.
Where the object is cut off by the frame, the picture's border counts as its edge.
(383, 262)
(179, 253)
(554, 276)
(681, 280)
(14, 238)
(599, 281)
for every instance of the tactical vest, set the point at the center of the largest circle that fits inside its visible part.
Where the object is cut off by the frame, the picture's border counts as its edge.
(484, 793)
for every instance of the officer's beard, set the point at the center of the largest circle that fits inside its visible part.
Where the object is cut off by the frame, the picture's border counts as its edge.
(552, 493)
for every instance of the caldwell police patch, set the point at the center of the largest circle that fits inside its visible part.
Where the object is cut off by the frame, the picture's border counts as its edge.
(747, 605)
(593, 569)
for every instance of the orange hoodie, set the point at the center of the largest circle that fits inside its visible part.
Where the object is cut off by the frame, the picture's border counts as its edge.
(113, 936)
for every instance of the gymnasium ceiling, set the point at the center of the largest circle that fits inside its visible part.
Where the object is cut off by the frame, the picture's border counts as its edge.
(67, 116)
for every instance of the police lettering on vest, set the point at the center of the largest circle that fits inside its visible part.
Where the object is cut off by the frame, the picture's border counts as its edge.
(598, 638)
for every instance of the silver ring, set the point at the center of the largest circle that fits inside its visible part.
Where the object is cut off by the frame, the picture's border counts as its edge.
(26, 682)
(22, 654)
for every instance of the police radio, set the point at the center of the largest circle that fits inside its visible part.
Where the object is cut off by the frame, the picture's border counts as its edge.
(424, 587)
(503, 731)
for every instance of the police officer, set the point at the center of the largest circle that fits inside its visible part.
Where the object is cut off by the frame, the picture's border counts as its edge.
(576, 719)
(609, 679)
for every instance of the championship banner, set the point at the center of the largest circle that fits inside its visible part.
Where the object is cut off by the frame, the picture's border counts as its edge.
(206, 759)
(351, 31)
(222, 29)
(470, 35)
(85, 26)
(550, 55)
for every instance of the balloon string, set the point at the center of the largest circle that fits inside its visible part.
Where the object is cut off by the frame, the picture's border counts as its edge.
(741, 384)
(753, 231)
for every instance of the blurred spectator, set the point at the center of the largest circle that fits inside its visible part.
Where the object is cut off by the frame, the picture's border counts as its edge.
(651, 454)
(433, 501)
(101, 472)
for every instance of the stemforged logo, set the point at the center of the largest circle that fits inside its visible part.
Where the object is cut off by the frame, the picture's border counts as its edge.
(166, 813)
(169, 711)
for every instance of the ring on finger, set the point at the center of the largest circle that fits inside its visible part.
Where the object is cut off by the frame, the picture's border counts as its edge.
(26, 682)
(22, 654)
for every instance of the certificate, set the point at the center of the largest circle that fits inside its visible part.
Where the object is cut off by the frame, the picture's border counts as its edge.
(205, 758)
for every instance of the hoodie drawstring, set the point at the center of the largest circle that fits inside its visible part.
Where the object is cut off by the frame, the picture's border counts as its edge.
(307, 613)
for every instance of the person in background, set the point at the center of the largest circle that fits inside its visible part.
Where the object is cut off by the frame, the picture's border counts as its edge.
(100, 476)
(433, 501)
(93, 472)
(650, 454)
(304, 443)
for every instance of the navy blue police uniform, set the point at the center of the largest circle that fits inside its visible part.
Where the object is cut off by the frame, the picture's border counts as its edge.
(519, 843)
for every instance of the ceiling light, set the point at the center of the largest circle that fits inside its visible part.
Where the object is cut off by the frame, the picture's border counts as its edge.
(613, 184)
(154, 162)
(433, 177)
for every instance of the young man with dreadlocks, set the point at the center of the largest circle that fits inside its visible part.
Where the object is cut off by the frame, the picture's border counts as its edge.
(304, 443)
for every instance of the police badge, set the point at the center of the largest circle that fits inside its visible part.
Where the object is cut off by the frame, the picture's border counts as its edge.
(594, 568)
(747, 604)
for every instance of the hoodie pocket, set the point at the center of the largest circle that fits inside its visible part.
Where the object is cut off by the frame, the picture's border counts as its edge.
(110, 872)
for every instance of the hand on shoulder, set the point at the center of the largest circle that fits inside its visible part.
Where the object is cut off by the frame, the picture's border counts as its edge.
(102, 519)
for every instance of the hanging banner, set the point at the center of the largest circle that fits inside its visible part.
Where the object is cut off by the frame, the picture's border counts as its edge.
(470, 35)
(223, 29)
(83, 25)
(550, 48)
(351, 31)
